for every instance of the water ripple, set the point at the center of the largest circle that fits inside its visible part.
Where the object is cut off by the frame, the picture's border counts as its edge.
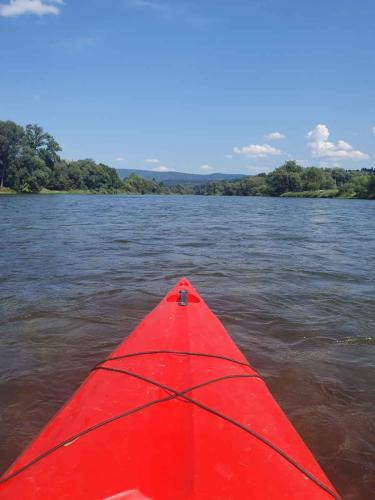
(293, 281)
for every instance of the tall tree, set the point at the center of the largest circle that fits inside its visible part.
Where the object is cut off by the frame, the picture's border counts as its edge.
(285, 178)
(11, 145)
(42, 144)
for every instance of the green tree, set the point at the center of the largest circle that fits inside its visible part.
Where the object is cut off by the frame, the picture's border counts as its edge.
(31, 174)
(359, 185)
(285, 179)
(11, 146)
(42, 144)
(59, 178)
(316, 178)
(371, 186)
(86, 174)
(340, 176)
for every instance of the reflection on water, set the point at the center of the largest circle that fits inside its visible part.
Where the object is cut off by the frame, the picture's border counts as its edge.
(291, 279)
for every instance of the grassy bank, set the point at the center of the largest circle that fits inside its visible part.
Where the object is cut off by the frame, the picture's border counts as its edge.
(7, 191)
(72, 191)
(321, 193)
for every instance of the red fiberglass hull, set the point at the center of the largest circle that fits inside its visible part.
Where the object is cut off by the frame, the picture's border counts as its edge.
(134, 431)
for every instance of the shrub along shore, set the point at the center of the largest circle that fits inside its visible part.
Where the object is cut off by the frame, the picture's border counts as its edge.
(30, 162)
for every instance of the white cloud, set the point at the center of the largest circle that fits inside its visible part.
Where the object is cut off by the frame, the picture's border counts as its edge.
(154, 5)
(161, 168)
(152, 160)
(206, 167)
(145, 3)
(373, 129)
(321, 147)
(274, 136)
(38, 7)
(229, 157)
(257, 150)
(120, 158)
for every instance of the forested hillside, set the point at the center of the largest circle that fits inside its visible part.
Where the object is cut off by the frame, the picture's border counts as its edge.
(172, 178)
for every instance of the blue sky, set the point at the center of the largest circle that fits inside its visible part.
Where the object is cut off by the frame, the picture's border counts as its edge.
(194, 85)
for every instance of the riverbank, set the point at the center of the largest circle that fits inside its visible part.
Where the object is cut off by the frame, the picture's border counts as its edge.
(7, 191)
(72, 191)
(323, 193)
(40, 169)
(44, 191)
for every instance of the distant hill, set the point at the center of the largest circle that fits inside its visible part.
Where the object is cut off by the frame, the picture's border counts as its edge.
(173, 178)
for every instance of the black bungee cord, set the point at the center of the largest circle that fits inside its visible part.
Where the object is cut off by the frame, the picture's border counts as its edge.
(174, 394)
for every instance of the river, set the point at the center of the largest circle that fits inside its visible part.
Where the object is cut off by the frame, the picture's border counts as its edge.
(293, 281)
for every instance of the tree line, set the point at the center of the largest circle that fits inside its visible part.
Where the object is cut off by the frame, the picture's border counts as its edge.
(294, 180)
(30, 162)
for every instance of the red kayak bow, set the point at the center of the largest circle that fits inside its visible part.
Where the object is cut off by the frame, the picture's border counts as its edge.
(176, 412)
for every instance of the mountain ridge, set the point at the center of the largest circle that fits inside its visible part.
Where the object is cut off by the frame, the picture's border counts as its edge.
(172, 177)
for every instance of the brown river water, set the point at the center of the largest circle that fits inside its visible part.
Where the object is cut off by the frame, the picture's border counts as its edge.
(293, 281)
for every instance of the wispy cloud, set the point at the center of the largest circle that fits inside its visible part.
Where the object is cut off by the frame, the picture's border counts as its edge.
(274, 136)
(206, 168)
(152, 160)
(257, 151)
(37, 7)
(147, 3)
(373, 129)
(150, 4)
(321, 147)
(120, 158)
(161, 168)
(168, 9)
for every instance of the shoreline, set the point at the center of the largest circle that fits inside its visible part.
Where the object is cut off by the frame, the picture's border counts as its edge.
(302, 194)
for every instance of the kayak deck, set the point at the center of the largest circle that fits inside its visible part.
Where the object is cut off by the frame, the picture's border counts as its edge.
(176, 412)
